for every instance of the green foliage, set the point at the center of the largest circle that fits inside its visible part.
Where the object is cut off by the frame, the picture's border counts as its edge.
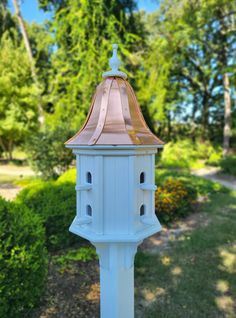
(180, 154)
(188, 154)
(174, 199)
(84, 31)
(214, 158)
(7, 22)
(55, 204)
(18, 108)
(190, 47)
(228, 165)
(68, 176)
(152, 81)
(203, 187)
(41, 43)
(47, 153)
(23, 259)
(175, 57)
(82, 254)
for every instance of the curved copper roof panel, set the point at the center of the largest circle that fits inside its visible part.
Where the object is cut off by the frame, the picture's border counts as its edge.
(114, 118)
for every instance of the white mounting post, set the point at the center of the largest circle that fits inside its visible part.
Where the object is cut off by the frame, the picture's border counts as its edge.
(117, 278)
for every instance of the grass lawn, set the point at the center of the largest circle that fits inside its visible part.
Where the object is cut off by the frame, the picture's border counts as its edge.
(196, 278)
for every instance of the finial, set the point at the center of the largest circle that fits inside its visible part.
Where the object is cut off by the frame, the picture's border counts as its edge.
(114, 63)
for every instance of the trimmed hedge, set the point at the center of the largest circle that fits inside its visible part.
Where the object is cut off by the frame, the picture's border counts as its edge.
(55, 203)
(23, 259)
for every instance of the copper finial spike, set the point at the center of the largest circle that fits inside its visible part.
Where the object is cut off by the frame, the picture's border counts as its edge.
(114, 63)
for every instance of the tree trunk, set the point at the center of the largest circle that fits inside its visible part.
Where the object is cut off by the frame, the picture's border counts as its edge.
(30, 55)
(205, 114)
(3, 146)
(169, 126)
(10, 149)
(224, 57)
(227, 115)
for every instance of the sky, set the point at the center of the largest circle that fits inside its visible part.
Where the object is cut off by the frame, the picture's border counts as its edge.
(31, 12)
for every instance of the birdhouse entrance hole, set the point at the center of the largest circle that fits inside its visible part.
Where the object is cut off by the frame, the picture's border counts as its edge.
(142, 209)
(142, 177)
(89, 177)
(89, 211)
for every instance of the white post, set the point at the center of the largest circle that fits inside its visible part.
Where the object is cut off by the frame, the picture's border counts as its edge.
(117, 279)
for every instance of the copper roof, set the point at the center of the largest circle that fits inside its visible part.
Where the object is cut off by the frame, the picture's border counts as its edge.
(114, 118)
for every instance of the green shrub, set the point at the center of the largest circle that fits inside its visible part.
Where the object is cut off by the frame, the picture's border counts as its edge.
(68, 176)
(188, 154)
(228, 165)
(178, 154)
(23, 259)
(174, 199)
(203, 186)
(47, 153)
(56, 205)
(214, 158)
(205, 149)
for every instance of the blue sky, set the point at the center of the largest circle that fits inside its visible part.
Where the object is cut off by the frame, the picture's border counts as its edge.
(31, 12)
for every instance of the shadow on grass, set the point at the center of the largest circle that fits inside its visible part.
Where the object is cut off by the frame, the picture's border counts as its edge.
(197, 278)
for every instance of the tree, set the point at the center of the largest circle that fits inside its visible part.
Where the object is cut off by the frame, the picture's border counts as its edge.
(197, 37)
(6, 20)
(84, 32)
(226, 15)
(30, 56)
(18, 110)
(153, 79)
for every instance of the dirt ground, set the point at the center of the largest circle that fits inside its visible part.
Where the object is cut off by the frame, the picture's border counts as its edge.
(73, 293)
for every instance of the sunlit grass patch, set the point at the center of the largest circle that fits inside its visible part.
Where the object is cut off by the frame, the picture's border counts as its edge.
(197, 274)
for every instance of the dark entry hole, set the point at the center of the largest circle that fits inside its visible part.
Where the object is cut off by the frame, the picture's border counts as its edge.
(89, 177)
(89, 210)
(142, 210)
(142, 177)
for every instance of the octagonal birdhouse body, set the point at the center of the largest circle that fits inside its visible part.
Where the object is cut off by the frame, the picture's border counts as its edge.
(115, 193)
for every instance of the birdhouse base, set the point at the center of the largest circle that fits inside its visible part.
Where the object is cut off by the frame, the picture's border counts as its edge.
(84, 232)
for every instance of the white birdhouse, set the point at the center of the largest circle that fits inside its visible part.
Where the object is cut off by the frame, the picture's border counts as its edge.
(115, 160)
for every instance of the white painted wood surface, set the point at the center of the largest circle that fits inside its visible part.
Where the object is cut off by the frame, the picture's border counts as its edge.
(116, 211)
